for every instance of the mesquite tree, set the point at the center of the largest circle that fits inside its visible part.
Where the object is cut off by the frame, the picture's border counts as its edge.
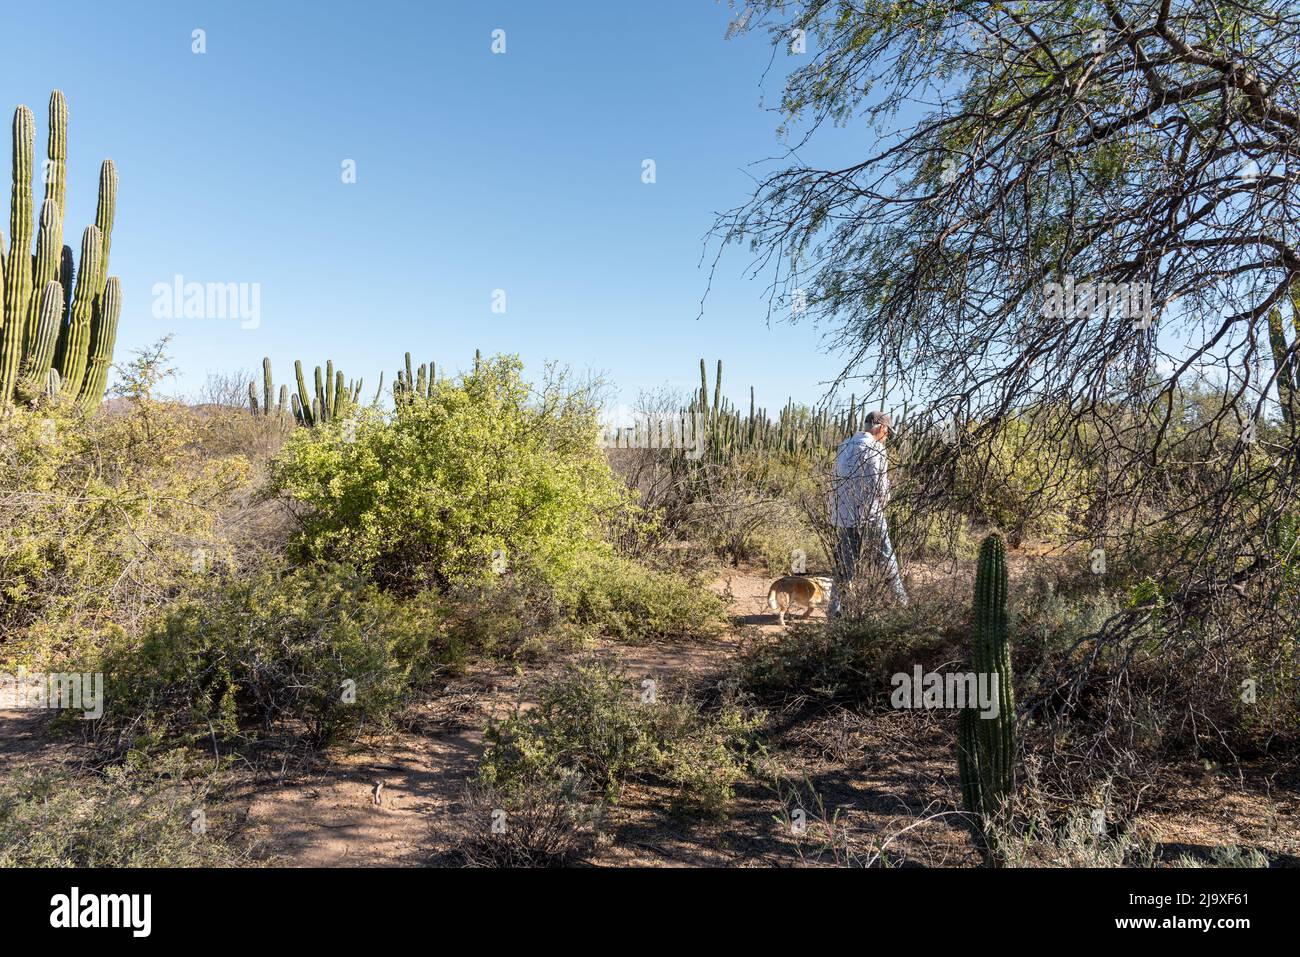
(1078, 220)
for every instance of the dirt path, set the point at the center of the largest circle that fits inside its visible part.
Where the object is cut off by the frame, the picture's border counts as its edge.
(330, 818)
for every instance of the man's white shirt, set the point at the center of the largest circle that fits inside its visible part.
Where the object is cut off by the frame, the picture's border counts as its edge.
(860, 487)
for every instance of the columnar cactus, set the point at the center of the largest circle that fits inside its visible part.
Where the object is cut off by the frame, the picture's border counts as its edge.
(46, 330)
(302, 406)
(74, 343)
(986, 747)
(103, 335)
(37, 366)
(74, 360)
(414, 383)
(333, 398)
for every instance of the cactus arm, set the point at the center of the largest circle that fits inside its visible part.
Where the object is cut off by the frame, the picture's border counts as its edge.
(45, 267)
(11, 342)
(56, 177)
(36, 368)
(67, 279)
(252, 397)
(267, 385)
(303, 408)
(103, 336)
(105, 213)
(18, 268)
(75, 342)
(320, 412)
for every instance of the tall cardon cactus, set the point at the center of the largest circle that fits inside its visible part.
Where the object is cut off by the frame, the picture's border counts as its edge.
(334, 397)
(47, 326)
(986, 746)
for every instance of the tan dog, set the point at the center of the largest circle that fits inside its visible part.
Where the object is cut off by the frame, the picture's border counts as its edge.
(795, 590)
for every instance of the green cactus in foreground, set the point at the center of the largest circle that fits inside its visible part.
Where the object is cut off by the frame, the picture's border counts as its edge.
(986, 747)
(74, 343)
(103, 334)
(46, 330)
(38, 364)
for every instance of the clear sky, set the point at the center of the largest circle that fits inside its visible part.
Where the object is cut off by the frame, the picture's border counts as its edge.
(475, 172)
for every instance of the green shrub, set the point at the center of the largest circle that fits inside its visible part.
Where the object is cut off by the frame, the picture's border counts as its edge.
(1025, 483)
(104, 518)
(591, 720)
(309, 653)
(450, 489)
(121, 818)
(512, 617)
(621, 598)
(850, 660)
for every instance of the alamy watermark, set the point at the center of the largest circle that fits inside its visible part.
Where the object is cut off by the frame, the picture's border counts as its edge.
(1119, 300)
(948, 690)
(685, 432)
(63, 690)
(179, 299)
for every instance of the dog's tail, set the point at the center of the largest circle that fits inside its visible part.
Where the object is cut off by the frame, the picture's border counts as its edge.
(771, 599)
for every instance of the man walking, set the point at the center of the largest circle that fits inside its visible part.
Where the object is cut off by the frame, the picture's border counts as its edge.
(859, 493)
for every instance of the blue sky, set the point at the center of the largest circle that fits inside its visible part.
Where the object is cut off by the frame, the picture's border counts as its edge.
(475, 172)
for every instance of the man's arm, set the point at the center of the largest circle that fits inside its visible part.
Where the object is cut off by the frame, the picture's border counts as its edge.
(876, 473)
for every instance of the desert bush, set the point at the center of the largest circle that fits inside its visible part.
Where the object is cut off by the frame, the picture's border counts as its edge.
(1075, 842)
(758, 507)
(452, 488)
(1227, 856)
(591, 720)
(123, 817)
(104, 518)
(1023, 483)
(307, 653)
(512, 617)
(850, 660)
(549, 822)
(623, 599)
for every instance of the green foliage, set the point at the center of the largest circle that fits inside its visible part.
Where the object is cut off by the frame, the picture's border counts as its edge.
(309, 653)
(122, 818)
(1023, 483)
(593, 721)
(103, 519)
(450, 488)
(624, 599)
(847, 661)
